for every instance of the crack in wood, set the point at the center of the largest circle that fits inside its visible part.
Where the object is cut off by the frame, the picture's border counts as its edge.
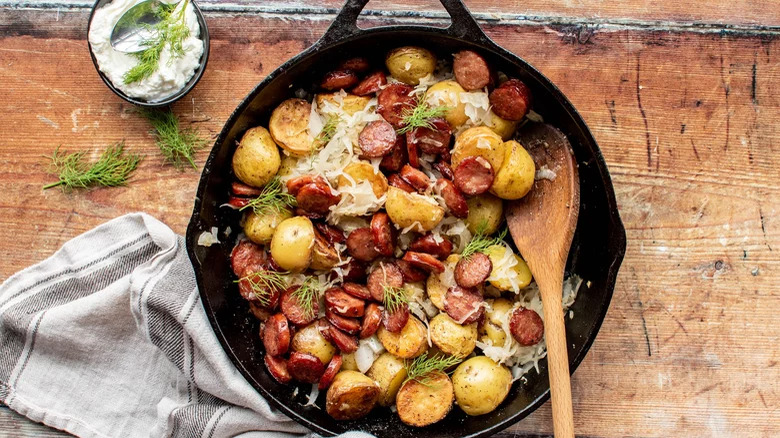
(763, 228)
(644, 116)
(726, 91)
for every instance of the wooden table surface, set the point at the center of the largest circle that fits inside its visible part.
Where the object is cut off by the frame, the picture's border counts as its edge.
(683, 98)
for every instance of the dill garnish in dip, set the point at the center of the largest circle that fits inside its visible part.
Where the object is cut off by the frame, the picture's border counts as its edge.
(164, 67)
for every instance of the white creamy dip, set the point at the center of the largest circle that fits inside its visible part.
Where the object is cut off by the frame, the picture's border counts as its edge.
(172, 74)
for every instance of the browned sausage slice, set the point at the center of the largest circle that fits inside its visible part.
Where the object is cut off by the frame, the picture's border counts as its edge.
(361, 245)
(395, 180)
(349, 325)
(259, 312)
(316, 197)
(293, 310)
(354, 271)
(473, 270)
(385, 275)
(331, 234)
(330, 372)
(344, 342)
(277, 367)
(339, 80)
(430, 245)
(393, 161)
(526, 326)
(444, 169)
(433, 140)
(244, 255)
(344, 304)
(474, 176)
(371, 320)
(370, 84)
(413, 154)
(471, 70)
(357, 290)
(357, 64)
(276, 335)
(511, 100)
(416, 178)
(377, 139)
(424, 261)
(294, 185)
(241, 189)
(409, 272)
(393, 101)
(382, 233)
(395, 322)
(305, 367)
(453, 198)
(464, 305)
(264, 297)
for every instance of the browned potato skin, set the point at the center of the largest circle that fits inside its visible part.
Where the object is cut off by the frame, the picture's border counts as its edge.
(424, 404)
(411, 342)
(309, 340)
(289, 127)
(452, 338)
(389, 372)
(351, 395)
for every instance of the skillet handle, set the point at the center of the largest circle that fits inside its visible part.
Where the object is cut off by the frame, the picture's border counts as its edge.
(463, 25)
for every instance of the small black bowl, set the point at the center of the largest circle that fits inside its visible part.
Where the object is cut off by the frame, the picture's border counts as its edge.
(204, 36)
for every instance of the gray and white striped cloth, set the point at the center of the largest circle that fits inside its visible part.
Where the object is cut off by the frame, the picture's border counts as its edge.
(108, 338)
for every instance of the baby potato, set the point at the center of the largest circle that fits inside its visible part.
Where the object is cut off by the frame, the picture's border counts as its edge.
(292, 242)
(323, 256)
(412, 209)
(256, 159)
(492, 330)
(452, 338)
(500, 280)
(309, 340)
(504, 128)
(434, 286)
(289, 126)
(423, 403)
(259, 228)
(411, 342)
(389, 372)
(516, 177)
(348, 362)
(288, 163)
(481, 385)
(349, 103)
(409, 64)
(351, 395)
(447, 93)
(479, 141)
(363, 171)
(486, 211)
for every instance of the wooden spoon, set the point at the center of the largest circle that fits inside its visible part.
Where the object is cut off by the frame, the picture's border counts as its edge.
(542, 225)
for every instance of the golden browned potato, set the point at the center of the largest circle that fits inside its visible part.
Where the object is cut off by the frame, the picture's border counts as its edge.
(479, 141)
(351, 395)
(349, 103)
(502, 127)
(323, 256)
(259, 228)
(452, 338)
(363, 171)
(409, 64)
(516, 176)
(502, 278)
(289, 126)
(256, 159)
(423, 403)
(348, 362)
(309, 340)
(292, 242)
(447, 93)
(492, 330)
(484, 209)
(481, 385)
(434, 286)
(412, 209)
(389, 372)
(411, 342)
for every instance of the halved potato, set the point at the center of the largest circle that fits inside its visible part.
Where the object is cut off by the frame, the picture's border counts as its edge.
(259, 228)
(479, 141)
(256, 159)
(389, 372)
(309, 340)
(484, 210)
(363, 171)
(348, 103)
(492, 330)
(502, 278)
(409, 64)
(447, 93)
(289, 126)
(516, 176)
(423, 403)
(411, 342)
(434, 286)
(351, 395)
(412, 210)
(452, 338)
(324, 256)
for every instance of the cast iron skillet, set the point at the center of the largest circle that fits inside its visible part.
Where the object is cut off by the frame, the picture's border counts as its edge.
(597, 251)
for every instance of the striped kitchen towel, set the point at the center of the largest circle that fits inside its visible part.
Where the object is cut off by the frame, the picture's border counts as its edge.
(108, 338)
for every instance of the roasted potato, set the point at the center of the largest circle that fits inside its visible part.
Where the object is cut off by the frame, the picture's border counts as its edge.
(452, 338)
(348, 103)
(481, 385)
(411, 209)
(348, 362)
(516, 176)
(485, 210)
(435, 288)
(502, 279)
(411, 342)
(482, 142)
(309, 340)
(289, 126)
(256, 159)
(389, 372)
(351, 395)
(409, 64)
(492, 329)
(504, 128)
(288, 163)
(423, 403)
(363, 171)
(259, 228)
(292, 242)
(447, 93)
(324, 256)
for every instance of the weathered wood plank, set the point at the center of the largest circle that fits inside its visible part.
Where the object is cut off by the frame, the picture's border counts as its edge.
(687, 123)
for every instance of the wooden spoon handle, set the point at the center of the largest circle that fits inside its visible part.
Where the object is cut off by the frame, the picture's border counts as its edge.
(557, 357)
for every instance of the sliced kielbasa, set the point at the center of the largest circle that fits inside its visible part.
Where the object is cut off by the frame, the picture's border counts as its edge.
(511, 100)
(473, 271)
(344, 304)
(238, 202)
(526, 326)
(305, 367)
(277, 367)
(385, 275)
(259, 312)
(415, 177)
(361, 245)
(413, 154)
(308, 214)
(241, 189)
(409, 272)
(354, 271)
(244, 255)
(464, 305)
(276, 335)
(316, 197)
(253, 290)
(471, 70)
(395, 322)
(382, 233)
(349, 325)
(393, 101)
(357, 290)
(453, 198)
(393, 161)
(339, 80)
(330, 372)
(331, 234)
(474, 176)
(376, 139)
(441, 247)
(294, 185)
(395, 180)
(293, 310)
(370, 84)
(431, 140)
(424, 261)
(371, 320)
(344, 342)
(444, 169)
(357, 64)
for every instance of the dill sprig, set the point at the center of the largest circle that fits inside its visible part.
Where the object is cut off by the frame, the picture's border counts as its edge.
(170, 31)
(328, 130)
(177, 145)
(110, 170)
(263, 283)
(395, 298)
(271, 198)
(307, 294)
(420, 116)
(481, 242)
(421, 367)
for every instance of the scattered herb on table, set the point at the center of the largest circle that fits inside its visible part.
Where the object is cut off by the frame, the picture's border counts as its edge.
(271, 198)
(420, 117)
(110, 170)
(177, 145)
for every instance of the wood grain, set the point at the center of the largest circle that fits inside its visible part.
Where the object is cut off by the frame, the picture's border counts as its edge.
(687, 123)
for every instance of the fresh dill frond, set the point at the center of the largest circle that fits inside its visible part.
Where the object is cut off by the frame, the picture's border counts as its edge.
(307, 294)
(271, 198)
(420, 116)
(263, 283)
(170, 31)
(421, 367)
(177, 145)
(480, 242)
(110, 170)
(395, 298)
(328, 130)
